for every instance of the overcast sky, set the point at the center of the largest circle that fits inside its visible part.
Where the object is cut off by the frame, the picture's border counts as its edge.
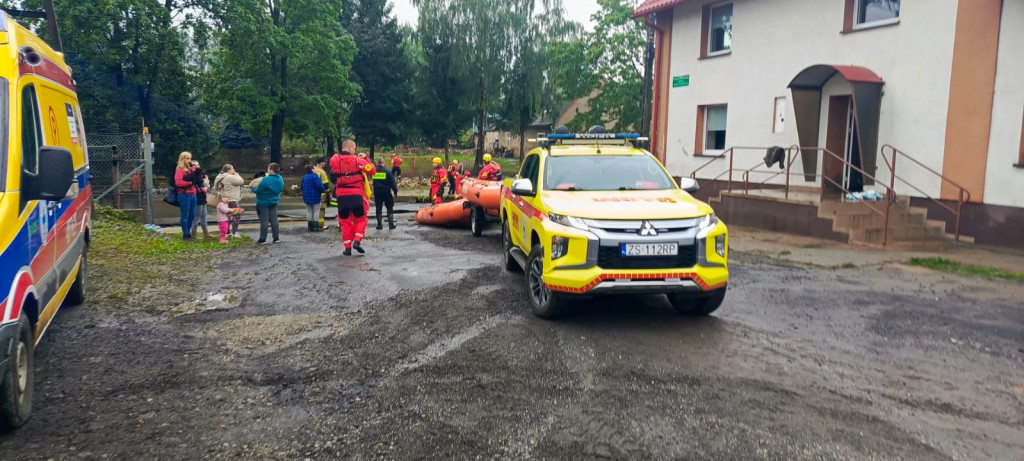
(578, 10)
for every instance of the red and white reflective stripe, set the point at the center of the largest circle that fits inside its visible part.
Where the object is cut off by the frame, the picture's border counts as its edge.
(21, 288)
(636, 276)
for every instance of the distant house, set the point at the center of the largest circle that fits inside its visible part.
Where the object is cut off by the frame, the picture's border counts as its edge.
(843, 80)
(539, 128)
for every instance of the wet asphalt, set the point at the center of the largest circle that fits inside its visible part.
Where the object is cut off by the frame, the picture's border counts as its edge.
(425, 349)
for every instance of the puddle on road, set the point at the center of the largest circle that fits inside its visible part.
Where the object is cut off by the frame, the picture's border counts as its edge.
(223, 300)
(267, 334)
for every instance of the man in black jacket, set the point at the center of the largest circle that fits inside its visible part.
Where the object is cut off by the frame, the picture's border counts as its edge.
(383, 186)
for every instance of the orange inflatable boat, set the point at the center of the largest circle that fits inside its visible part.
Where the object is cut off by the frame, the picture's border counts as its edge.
(450, 213)
(482, 193)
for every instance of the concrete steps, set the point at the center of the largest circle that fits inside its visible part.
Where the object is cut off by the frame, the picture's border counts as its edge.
(832, 218)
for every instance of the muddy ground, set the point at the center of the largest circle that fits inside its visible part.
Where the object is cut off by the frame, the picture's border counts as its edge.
(425, 348)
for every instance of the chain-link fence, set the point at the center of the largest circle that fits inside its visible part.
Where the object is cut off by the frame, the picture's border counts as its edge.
(118, 174)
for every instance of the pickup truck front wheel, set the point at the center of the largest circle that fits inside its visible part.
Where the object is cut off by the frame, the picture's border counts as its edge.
(506, 244)
(689, 305)
(545, 303)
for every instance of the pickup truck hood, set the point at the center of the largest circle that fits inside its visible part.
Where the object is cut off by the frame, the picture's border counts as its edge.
(652, 204)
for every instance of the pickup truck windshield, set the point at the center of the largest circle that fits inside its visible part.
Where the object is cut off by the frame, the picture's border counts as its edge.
(605, 172)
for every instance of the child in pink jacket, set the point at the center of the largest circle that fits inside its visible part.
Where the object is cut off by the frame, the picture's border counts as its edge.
(224, 213)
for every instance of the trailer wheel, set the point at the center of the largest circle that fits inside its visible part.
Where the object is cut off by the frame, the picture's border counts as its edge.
(477, 220)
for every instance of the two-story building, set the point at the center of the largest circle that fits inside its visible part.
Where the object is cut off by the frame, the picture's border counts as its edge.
(848, 86)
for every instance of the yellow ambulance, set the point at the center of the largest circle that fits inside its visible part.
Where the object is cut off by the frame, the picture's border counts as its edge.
(45, 205)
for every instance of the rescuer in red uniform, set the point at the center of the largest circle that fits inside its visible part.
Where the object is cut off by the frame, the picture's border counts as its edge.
(491, 170)
(438, 179)
(349, 174)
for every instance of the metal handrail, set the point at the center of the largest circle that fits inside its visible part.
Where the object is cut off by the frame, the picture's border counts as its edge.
(963, 197)
(730, 153)
(790, 159)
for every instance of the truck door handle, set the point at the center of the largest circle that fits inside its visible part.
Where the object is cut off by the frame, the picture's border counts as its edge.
(52, 206)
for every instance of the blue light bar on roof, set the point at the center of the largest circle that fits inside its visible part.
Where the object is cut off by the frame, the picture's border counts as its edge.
(595, 136)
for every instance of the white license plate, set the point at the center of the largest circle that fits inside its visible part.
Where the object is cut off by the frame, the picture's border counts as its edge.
(649, 249)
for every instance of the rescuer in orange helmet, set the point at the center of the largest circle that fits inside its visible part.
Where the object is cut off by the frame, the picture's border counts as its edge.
(438, 179)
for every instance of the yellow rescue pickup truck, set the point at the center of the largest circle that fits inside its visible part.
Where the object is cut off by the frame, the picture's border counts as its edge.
(590, 214)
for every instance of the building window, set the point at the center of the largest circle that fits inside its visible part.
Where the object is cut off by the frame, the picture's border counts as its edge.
(716, 30)
(720, 29)
(714, 127)
(870, 13)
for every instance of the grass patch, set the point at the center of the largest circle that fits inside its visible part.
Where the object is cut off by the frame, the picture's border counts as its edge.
(812, 246)
(131, 266)
(785, 253)
(953, 267)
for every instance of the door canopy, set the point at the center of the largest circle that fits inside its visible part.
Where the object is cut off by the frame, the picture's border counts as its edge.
(866, 91)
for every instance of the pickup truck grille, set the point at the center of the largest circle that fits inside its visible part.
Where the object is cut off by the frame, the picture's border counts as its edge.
(611, 258)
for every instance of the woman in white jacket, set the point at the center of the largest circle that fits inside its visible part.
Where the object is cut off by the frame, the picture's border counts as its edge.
(229, 183)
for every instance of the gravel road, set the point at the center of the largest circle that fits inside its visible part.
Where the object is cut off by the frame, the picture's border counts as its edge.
(425, 348)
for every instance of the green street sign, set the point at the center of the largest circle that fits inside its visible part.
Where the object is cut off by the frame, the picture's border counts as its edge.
(682, 80)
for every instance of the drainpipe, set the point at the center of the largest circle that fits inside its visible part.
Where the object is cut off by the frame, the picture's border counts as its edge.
(656, 99)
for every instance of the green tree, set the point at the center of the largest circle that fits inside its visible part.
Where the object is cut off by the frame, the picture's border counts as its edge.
(282, 65)
(474, 36)
(443, 108)
(382, 69)
(527, 90)
(610, 60)
(131, 66)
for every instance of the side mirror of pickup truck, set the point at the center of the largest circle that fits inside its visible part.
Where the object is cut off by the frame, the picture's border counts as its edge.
(523, 186)
(689, 185)
(55, 177)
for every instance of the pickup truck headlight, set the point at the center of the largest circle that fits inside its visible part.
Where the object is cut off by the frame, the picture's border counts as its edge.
(706, 225)
(568, 221)
(708, 222)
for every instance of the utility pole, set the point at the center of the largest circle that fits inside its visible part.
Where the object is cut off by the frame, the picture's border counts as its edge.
(51, 24)
(147, 157)
(648, 88)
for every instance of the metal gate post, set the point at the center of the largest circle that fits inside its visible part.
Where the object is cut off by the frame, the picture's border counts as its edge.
(147, 150)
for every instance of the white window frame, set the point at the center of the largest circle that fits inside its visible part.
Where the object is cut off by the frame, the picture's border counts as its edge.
(710, 19)
(869, 24)
(707, 115)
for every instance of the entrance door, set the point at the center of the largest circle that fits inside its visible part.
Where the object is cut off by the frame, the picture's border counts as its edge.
(842, 140)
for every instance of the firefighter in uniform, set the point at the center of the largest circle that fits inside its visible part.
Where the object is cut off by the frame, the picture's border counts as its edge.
(455, 175)
(349, 173)
(396, 166)
(383, 186)
(491, 170)
(438, 179)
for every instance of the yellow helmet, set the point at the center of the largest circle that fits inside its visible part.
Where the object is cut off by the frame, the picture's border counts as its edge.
(437, 160)
(487, 157)
(455, 162)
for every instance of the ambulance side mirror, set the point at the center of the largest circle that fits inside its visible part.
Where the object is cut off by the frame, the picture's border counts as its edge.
(689, 185)
(54, 179)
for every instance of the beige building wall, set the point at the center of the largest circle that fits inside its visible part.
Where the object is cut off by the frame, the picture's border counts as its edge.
(1004, 184)
(773, 40)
